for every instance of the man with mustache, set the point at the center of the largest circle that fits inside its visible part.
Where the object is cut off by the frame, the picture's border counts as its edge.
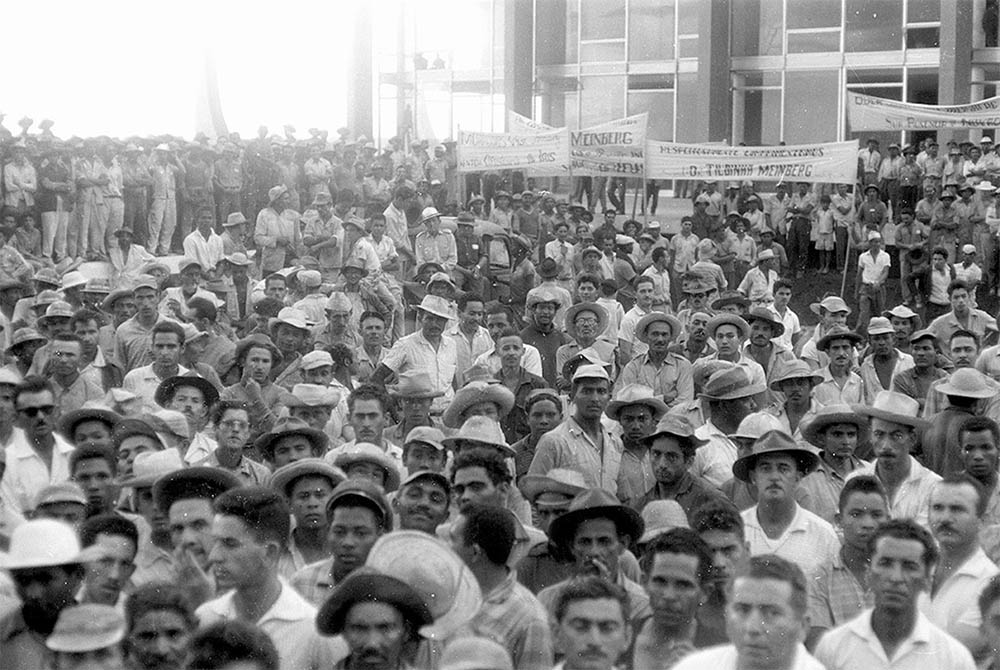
(249, 532)
(902, 565)
(696, 344)
(839, 590)
(777, 524)
(840, 383)
(884, 360)
(668, 374)
(762, 346)
(676, 565)
(591, 626)
(795, 380)
(955, 515)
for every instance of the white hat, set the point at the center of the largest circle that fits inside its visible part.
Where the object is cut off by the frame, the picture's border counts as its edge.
(591, 372)
(968, 249)
(42, 543)
(313, 395)
(661, 516)
(765, 255)
(874, 235)
(74, 278)
(316, 359)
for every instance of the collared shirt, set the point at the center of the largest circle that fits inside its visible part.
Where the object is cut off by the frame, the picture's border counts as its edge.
(755, 282)
(791, 322)
(870, 379)
(823, 486)
(829, 392)
(315, 581)
(153, 564)
(954, 607)
(200, 448)
(416, 352)
(72, 397)
(466, 350)
(725, 657)
(855, 645)
(692, 493)
(329, 257)
(910, 499)
(514, 618)
(713, 461)
(979, 322)
(626, 331)
(673, 377)
(779, 411)
(20, 183)
(250, 472)
(395, 226)
(127, 264)
(144, 381)
(133, 343)
(290, 623)
(437, 248)
(207, 252)
(907, 383)
(563, 254)
(635, 477)
(808, 541)
(873, 267)
(531, 360)
(685, 250)
(835, 595)
(26, 474)
(568, 446)
(271, 228)
(547, 344)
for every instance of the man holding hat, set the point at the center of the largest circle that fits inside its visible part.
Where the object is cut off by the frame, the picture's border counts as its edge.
(730, 394)
(840, 383)
(46, 565)
(425, 349)
(884, 361)
(667, 373)
(777, 524)
(895, 432)
(581, 442)
(836, 430)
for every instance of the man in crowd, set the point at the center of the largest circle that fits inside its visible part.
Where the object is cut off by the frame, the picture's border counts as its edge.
(667, 373)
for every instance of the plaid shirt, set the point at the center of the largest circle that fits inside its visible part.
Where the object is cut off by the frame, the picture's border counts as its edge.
(835, 596)
(315, 581)
(513, 617)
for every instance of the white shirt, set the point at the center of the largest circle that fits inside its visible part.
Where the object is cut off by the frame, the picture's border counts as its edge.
(627, 330)
(724, 657)
(714, 461)
(291, 625)
(416, 352)
(854, 646)
(531, 360)
(26, 474)
(871, 268)
(792, 326)
(912, 495)
(143, 382)
(809, 541)
(208, 252)
(955, 608)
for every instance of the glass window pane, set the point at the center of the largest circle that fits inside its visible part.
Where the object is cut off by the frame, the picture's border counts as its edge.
(552, 35)
(813, 14)
(601, 20)
(757, 29)
(660, 106)
(688, 47)
(645, 82)
(923, 38)
(811, 104)
(745, 79)
(596, 52)
(650, 30)
(875, 76)
(805, 43)
(921, 11)
(922, 86)
(601, 99)
(687, 17)
(873, 25)
(572, 25)
(761, 117)
(689, 117)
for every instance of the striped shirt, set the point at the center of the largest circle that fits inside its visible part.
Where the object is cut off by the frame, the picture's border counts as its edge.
(513, 617)
(835, 596)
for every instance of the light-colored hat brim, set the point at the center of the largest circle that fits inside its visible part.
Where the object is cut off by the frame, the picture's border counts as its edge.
(749, 390)
(532, 486)
(812, 429)
(892, 417)
(658, 407)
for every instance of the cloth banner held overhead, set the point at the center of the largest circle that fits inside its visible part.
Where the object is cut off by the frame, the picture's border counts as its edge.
(522, 125)
(866, 112)
(834, 162)
(613, 149)
(479, 152)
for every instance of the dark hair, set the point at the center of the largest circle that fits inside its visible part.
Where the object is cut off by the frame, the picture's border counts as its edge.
(275, 276)
(959, 478)
(264, 512)
(588, 278)
(467, 298)
(402, 193)
(718, 515)
(643, 279)
(67, 337)
(658, 253)
(589, 588)
(508, 332)
(772, 566)
(533, 398)
(168, 327)
(85, 316)
(383, 521)
(963, 333)
(268, 307)
(230, 641)
(608, 287)
(906, 529)
(224, 406)
(93, 452)
(109, 524)
(490, 461)
(499, 308)
(200, 308)
(492, 529)
(369, 314)
(990, 594)
(368, 392)
(978, 424)
(860, 484)
(341, 354)
(156, 596)
(782, 283)
(678, 541)
(686, 444)
(939, 251)
(957, 284)
(906, 210)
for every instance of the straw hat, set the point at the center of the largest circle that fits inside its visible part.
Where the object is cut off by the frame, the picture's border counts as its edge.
(284, 477)
(595, 504)
(482, 431)
(367, 585)
(895, 408)
(562, 481)
(967, 383)
(636, 394)
(775, 442)
(662, 516)
(831, 415)
(365, 452)
(474, 393)
(596, 309)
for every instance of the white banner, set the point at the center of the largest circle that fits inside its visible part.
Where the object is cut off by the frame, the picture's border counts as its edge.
(549, 151)
(834, 162)
(613, 149)
(520, 124)
(866, 112)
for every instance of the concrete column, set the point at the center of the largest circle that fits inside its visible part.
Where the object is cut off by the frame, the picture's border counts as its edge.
(956, 60)
(359, 87)
(519, 36)
(714, 96)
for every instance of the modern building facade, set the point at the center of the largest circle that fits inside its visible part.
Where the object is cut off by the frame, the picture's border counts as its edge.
(752, 71)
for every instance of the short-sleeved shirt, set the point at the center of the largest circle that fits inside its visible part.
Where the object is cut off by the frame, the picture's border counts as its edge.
(568, 446)
(954, 608)
(714, 461)
(910, 499)
(673, 376)
(872, 268)
(835, 595)
(415, 352)
(808, 541)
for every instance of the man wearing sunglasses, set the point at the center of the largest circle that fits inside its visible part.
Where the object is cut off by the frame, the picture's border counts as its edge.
(38, 458)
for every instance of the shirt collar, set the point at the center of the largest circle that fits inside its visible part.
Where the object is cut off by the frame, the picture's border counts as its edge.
(21, 448)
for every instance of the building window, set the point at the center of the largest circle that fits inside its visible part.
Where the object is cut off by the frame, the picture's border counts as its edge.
(812, 104)
(873, 25)
(651, 30)
(602, 98)
(757, 107)
(602, 20)
(805, 14)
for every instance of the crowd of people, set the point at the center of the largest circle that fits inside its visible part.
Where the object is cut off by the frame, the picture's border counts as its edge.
(312, 418)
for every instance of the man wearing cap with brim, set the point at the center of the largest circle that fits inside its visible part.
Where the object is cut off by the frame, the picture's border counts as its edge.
(762, 345)
(425, 349)
(423, 502)
(581, 442)
(45, 562)
(542, 332)
(792, 384)
(133, 338)
(364, 460)
(917, 380)
(672, 446)
(904, 322)
(193, 396)
(883, 362)
(291, 333)
(944, 223)
(434, 243)
(636, 408)
(729, 394)
(873, 270)
(64, 502)
(832, 311)
(600, 556)
(840, 385)
(836, 431)
(667, 373)
(277, 231)
(88, 636)
(775, 466)
(307, 485)
(895, 432)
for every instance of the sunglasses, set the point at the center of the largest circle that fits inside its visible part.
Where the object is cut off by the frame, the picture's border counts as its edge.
(35, 411)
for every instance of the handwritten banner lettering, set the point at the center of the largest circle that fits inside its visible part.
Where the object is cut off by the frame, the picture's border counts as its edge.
(613, 149)
(866, 112)
(479, 152)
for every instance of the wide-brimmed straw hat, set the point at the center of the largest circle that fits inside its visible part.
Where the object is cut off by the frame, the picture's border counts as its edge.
(731, 384)
(838, 333)
(474, 393)
(794, 369)
(657, 317)
(561, 481)
(598, 311)
(636, 394)
(775, 442)
(967, 383)
(895, 408)
(367, 585)
(831, 415)
(482, 431)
